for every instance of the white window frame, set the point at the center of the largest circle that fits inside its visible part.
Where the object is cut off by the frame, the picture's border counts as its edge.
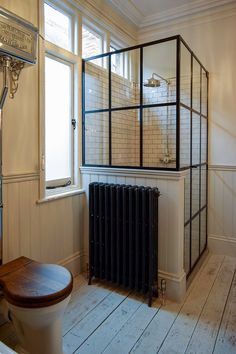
(125, 58)
(93, 28)
(60, 182)
(72, 59)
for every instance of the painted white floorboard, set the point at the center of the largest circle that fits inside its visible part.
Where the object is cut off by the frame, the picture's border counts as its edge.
(105, 319)
(180, 333)
(100, 339)
(131, 331)
(210, 318)
(226, 340)
(80, 332)
(82, 305)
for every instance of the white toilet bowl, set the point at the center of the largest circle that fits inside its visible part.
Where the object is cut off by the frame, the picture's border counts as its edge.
(6, 350)
(35, 297)
(39, 330)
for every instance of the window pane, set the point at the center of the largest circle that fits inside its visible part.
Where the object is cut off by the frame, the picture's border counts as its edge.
(57, 119)
(159, 73)
(185, 135)
(125, 138)
(195, 139)
(195, 190)
(187, 186)
(195, 240)
(97, 138)
(196, 85)
(159, 137)
(96, 86)
(186, 248)
(125, 92)
(57, 27)
(117, 61)
(185, 78)
(91, 44)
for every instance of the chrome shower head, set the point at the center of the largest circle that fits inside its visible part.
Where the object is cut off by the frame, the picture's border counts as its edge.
(152, 82)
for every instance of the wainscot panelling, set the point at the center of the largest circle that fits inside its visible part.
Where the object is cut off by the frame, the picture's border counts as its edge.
(48, 232)
(222, 210)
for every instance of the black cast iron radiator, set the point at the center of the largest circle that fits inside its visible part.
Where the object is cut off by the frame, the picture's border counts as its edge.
(123, 236)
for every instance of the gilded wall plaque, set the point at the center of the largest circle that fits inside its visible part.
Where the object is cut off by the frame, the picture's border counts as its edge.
(18, 38)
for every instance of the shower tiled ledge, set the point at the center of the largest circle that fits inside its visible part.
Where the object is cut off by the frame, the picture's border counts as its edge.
(125, 172)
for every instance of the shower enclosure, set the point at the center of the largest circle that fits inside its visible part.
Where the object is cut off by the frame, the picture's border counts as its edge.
(145, 107)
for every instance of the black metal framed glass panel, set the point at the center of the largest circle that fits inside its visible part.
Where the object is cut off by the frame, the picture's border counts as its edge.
(159, 136)
(196, 86)
(125, 79)
(159, 73)
(146, 107)
(96, 138)
(96, 86)
(125, 133)
(185, 137)
(193, 99)
(185, 76)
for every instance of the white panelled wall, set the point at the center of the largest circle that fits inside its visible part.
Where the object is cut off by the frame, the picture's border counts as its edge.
(222, 210)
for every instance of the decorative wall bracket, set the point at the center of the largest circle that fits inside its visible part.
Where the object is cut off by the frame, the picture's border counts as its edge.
(11, 70)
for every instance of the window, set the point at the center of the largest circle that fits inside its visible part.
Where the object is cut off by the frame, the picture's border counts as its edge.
(117, 61)
(58, 117)
(60, 68)
(58, 27)
(92, 43)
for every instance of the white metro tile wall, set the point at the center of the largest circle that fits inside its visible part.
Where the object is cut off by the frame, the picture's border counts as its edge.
(159, 123)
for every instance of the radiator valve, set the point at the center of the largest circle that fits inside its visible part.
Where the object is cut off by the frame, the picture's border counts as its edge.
(163, 291)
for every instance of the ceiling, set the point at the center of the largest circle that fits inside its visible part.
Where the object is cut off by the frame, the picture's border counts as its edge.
(144, 13)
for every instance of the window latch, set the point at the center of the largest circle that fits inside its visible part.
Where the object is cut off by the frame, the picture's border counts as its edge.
(73, 122)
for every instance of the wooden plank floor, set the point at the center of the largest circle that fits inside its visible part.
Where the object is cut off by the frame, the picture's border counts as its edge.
(106, 319)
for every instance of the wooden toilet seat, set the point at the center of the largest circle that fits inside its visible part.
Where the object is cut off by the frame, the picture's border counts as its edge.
(29, 284)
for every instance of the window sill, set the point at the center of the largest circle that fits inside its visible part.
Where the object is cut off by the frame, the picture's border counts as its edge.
(60, 193)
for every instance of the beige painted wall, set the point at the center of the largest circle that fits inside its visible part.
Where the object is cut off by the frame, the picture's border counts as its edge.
(48, 232)
(51, 231)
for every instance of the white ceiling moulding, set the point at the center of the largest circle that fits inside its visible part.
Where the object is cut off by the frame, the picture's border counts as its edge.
(129, 10)
(197, 7)
(176, 25)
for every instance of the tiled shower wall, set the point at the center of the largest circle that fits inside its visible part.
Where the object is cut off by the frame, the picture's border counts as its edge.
(159, 123)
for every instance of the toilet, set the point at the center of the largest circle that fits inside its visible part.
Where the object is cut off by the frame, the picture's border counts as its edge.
(35, 296)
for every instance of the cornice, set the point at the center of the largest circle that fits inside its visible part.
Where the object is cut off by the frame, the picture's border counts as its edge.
(128, 9)
(176, 25)
(188, 10)
(176, 15)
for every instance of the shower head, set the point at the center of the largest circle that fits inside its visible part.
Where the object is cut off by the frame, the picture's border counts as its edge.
(152, 82)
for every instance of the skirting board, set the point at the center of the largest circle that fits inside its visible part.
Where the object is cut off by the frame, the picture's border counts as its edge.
(222, 245)
(74, 263)
(175, 284)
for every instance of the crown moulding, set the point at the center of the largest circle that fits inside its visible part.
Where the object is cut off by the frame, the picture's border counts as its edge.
(129, 10)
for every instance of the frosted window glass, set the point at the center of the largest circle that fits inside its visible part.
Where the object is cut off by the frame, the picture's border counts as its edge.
(91, 44)
(57, 119)
(57, 27)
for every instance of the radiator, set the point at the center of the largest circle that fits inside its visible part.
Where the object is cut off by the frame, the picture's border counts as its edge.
(123, 236)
